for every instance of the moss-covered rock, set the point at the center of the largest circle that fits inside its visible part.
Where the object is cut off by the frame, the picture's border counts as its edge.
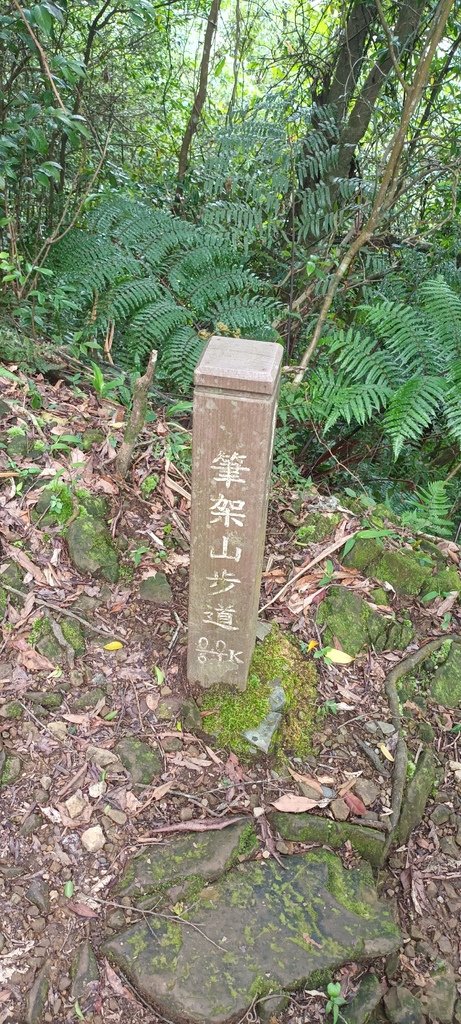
(16, 443)
(156, 589)
(11, 771)
(91, 437)
(445, 687)
(276, 928)
(84, 971)
(277, 658)
(143, 762)
(317, 526)
(180, 868)
(446, 580)
(91, 548)
(364, 555)
(350, 621)
(417, 794)
(406, 571)
(359, 1009)
(311, 828)
(43, 638)
(13, 577)
(12, 709)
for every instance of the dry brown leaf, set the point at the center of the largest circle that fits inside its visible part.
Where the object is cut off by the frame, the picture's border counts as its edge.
(355, 804)
(33, 661)
(117, 985)
(25, 562)
(81, 909)
(291, 803)
(308, 780)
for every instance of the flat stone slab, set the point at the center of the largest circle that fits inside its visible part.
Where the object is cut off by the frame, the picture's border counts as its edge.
(260, 928)
(181, 867)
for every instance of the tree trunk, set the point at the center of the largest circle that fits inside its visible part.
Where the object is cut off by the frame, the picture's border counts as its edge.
(199, 98)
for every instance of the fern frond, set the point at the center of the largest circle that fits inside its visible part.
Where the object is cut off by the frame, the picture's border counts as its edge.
(411, 409)
(429, 510)
(452, 401)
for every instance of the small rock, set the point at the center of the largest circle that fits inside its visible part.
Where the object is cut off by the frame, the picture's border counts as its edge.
(45, 782)
(41, 797)
(449, 847)
(367, 790)
(64, 983)
(440, 997)
(402, 1007)
(168, 709)
(97, 789)
(59, 730)
(114, 814)
(84, 971)
(11, 771)
(75, 805)
(417, 794)
(171, 744)
(93, 839)
(30, 825)
(186, 814)
(156, 589)
(2, 942)
(38, 893)
(387, 728)
(371, 727)
(339, 809)
(37, 997)
(440, 815)
(116, 919)
(190, 717)
(102, 758)
(142, 761)
(445, 945)
(364, 1002)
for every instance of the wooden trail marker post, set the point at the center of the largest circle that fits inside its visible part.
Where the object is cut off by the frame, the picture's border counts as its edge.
(235, 405)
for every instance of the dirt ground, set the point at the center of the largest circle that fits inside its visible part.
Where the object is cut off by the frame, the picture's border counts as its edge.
(54, 893)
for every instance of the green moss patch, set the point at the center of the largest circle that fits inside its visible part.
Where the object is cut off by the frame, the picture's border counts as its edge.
(317, 526)
(231, 714)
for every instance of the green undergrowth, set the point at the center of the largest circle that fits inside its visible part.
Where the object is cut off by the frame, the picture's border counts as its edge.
(277, 658)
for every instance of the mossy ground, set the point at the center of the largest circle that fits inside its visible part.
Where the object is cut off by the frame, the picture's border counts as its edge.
(277, 658)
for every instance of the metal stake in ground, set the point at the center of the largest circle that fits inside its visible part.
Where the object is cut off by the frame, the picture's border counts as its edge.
(235, 404)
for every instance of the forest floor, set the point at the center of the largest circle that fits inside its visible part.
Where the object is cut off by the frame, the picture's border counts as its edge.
(56, 892)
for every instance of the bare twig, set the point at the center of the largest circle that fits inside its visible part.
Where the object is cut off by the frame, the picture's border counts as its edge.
(310, 565)
(104, 630)
(137, 417)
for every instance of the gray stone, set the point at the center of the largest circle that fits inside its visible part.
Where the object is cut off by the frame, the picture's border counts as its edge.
(450, 848)
(339, 809)
(402, 1007)
(366, 999)
(417, 794)
(38, 893)
(91, 548)
(273, 926)
(37, 997)
(190, 717)
(30, 825)
(10, 771)
(262, 735)
(84, 971)
(386, 728)
(439, 999)
(440, 815)
(311, 828)
(446, 681)
(367, 790)
(186, 863)
(156, 589)
(143, 762)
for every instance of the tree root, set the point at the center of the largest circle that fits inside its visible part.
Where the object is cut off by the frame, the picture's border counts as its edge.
(401, 754)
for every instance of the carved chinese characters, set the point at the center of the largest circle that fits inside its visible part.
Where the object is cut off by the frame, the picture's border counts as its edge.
(234, 417)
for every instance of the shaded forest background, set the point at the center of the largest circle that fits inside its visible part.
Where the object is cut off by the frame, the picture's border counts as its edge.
(277, 170)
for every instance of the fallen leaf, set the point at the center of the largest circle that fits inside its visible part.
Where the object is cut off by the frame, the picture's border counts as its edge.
(291, 803)
(162, 790)
(355, 804)
(33, 661)
(308, 780)
(385, 751)
(117, 985)
(113, 645)
(25, 562)
(337, 657)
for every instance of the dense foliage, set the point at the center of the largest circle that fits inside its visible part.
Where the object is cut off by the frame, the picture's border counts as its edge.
(172, 169)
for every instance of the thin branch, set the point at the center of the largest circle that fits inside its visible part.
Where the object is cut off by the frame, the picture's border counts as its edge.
(393, 56)
(387, 189)
(42, 56)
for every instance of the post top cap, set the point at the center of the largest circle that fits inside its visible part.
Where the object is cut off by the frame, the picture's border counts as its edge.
(239, 364)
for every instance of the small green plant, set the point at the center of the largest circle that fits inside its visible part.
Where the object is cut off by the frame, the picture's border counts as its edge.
(329, 707)
(328, 574)
(149, 484)
(137, 554)
(105, 388)
(335, 1001)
